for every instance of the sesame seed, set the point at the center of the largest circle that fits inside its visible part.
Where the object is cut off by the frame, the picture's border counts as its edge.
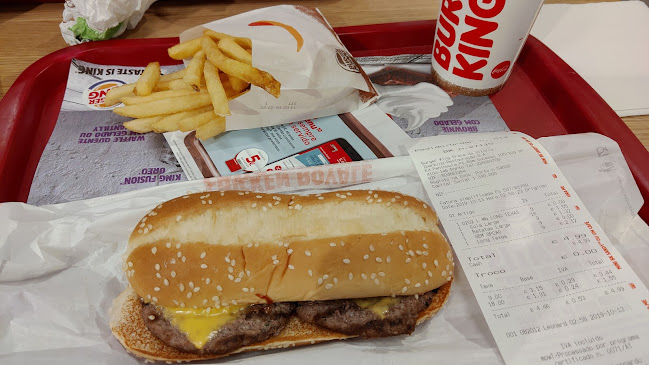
(423, 266)
(448, 278)
(404, 289)
(227, 259)
(189, 295)
(289, 251)
(335, 280)
(274, 257)
(254, 205)
(197, 289)
(370, 192)
(411, 253)
(233, 262)
(444, 273)
(376, 281)
(158, 275)
(154, 250)
(436, 263)
(248, 273)
(405, 203)
(245, 290)
(381, 274)
(332, 244)
(325, 276)
(182, 305)
(329, 286)
(258, 196)
(173, 274)
(179, 254)
(425, 245)
(430, 274)
(426, 282)
(373, 276)
(348, 193)
(191, 284)
(376, 196)
(219, 288)
(370, 200)
(351, 276)
(378, 259)
(157, 266)
(156, 289)
(425, 253)
(308, 253)
(203, 254)
(364, 276)
(237, 280)
(172, 261)
(319, 281)
(177, 246)
(418, 252)
(252, 290)
(264, 209)
(203, 266)
(183, 259)
(291, 267)
(417, 285)
(181, 287)
(401, 247)
(366, 257)
(142, 225)
(270, 205)
(230, 276)
(168, 245)
(346, 261)
(215, 298)
(408, 260)
(130, 264)
(447, 267)
(342, 243)
(320, 198)
(151, 317)
(371, 248)
(146, 230)
(205, 302)
(275, 262)
(166, 282)
(310, 272)
(250, 244)
(407, 281)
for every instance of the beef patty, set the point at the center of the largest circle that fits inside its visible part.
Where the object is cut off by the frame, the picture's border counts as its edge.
(257, 323)
(345, 316)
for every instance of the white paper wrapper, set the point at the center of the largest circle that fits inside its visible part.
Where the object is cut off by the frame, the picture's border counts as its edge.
(60, 269)
(320, 78)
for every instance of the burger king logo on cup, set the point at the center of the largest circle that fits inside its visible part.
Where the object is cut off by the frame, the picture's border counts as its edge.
(95, 95)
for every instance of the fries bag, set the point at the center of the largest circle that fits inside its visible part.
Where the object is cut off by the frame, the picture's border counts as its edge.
(300, 49)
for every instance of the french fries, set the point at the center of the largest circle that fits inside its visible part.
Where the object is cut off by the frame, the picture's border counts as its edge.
(194, 98)
(211, 129)
(216, 36)
(216, 90)
(132, 100)
(235, 51)
(239, 69)
(165, 106)
(115, 95)
(148, 79)
(195, 70)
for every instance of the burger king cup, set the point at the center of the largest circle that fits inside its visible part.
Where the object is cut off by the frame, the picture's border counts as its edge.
(477, 42)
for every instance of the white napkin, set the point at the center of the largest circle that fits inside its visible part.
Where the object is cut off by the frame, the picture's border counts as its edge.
(607, 44)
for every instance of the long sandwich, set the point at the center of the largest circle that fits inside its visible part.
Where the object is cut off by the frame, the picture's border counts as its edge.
(217, 273)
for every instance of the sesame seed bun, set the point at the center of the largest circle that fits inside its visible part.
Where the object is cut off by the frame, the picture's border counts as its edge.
(210, 249)
(129, 328)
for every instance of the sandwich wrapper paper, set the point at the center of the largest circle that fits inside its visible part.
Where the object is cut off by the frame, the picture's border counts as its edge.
(60, 265)
(299, 48)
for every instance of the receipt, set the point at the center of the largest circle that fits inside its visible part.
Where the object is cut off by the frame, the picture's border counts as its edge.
(551, 286)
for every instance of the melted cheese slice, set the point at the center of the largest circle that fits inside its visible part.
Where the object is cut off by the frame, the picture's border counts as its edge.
(379, 305)
(199, 324)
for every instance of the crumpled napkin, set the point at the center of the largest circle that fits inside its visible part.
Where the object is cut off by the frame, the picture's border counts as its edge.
(416, 103)
(95, 20)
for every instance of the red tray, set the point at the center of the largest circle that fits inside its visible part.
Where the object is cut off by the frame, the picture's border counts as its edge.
(543, 97)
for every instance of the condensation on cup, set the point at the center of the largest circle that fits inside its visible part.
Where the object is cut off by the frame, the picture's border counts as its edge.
(478, 41)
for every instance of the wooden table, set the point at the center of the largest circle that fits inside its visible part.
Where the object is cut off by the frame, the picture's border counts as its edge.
(31, 31)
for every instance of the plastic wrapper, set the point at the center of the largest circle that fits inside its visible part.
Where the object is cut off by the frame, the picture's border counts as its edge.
(95, 20)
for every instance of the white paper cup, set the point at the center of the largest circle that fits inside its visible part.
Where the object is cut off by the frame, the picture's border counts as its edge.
(478, 41)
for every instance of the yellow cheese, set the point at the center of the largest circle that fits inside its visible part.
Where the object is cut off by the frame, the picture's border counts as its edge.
(198, 324)
(378, 305)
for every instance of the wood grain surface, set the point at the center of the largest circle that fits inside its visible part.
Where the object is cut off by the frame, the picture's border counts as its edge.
(31, 31)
